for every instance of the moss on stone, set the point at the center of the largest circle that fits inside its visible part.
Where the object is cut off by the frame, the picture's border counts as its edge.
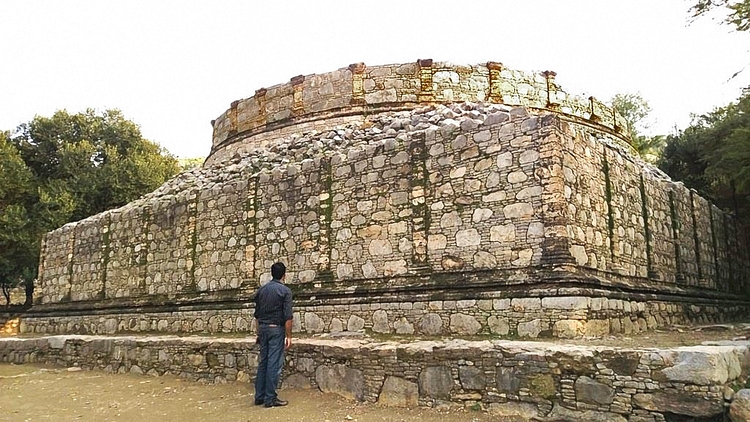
(542, 385)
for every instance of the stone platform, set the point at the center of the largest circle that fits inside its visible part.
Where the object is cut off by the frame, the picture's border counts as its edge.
(522, 379)
(422, 199)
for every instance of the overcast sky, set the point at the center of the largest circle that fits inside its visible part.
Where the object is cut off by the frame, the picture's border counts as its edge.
(173, 66)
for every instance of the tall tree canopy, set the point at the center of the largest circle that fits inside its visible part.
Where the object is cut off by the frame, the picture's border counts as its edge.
(65, 168)
(635, 110)
(712, 156)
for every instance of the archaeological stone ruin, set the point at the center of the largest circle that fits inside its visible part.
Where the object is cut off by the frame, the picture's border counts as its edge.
(431, 216)
(416, 199)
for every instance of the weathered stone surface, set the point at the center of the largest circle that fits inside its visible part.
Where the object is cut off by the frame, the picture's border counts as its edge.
(498, 325)
(483, 259)
(513, 411)
(507, 380)
(624, 363)
(471, 377)
(436, 382)
(593, 392)
(530, 328)
(463, 324)
(504, 233)
(679, 403)
(703, 365)
(380, 322)
(297, 381)
(399, 392)
(563, 414)
(341, 380)
(739, 410)
(403, 326)
(355, 323)
(313, 323)
(579, 253)
(336, 325)
(596, 328)
(568, 328)
(431, 324)
(468, 237)
(452, 263)
(565, 302)
(518, 210)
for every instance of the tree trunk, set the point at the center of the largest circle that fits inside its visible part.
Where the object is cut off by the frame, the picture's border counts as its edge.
(6, 293)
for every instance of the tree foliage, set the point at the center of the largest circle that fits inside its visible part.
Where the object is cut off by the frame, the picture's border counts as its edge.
(190, 163)
(64, 168)
(738, 11)
(712, 156)
(635, 110)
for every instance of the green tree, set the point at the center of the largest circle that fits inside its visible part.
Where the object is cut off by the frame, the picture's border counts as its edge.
(738, 11)
(712, 156)
(100, 159)
(635, 110)
(16, 236)
(65, 168)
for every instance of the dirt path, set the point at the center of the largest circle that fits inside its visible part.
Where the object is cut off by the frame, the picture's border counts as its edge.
(36, 393)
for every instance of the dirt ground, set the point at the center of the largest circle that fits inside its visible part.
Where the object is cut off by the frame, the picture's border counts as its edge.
(38, 393)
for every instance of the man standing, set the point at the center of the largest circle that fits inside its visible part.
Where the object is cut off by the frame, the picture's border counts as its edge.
(273, 317)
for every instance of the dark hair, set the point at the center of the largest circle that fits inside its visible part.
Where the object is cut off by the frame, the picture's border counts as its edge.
(278, 270)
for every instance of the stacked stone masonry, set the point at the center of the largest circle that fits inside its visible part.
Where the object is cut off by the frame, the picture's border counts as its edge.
(318, 101)
(416, 217)
(519, 380)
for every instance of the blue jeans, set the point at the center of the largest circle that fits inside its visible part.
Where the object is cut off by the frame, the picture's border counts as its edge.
(270, 362)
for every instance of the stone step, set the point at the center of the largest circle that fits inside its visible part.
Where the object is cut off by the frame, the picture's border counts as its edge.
(527, 378)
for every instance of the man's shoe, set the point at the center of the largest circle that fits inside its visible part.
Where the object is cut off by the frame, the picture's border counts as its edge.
(258, 402)
(277, 403)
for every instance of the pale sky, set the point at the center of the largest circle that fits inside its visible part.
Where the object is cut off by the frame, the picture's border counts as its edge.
(173, 66)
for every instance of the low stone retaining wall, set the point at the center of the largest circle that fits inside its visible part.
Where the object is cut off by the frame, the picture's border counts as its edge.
(538, 380)
(524, 317)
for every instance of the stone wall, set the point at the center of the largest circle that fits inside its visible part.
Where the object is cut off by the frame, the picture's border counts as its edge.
(524, 317)
(460, 219)
(321, 102)
(521, 379)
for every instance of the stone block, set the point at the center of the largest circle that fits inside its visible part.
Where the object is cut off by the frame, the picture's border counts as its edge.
(526, 303)
(703, 365)
(596, 328)
(380, 322)
(403, 326)
(680, 403)
(471, 377)
(530, 328)
(739, 410)
(355, 323)
(498, 325)
(297, 380)
(431, 324)
(399, 392)
(507, 380)
(342, 380)
(463, 324)
(568, 328)
(565, 302)
(593, 392)
(313, 323)
(436, 382)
